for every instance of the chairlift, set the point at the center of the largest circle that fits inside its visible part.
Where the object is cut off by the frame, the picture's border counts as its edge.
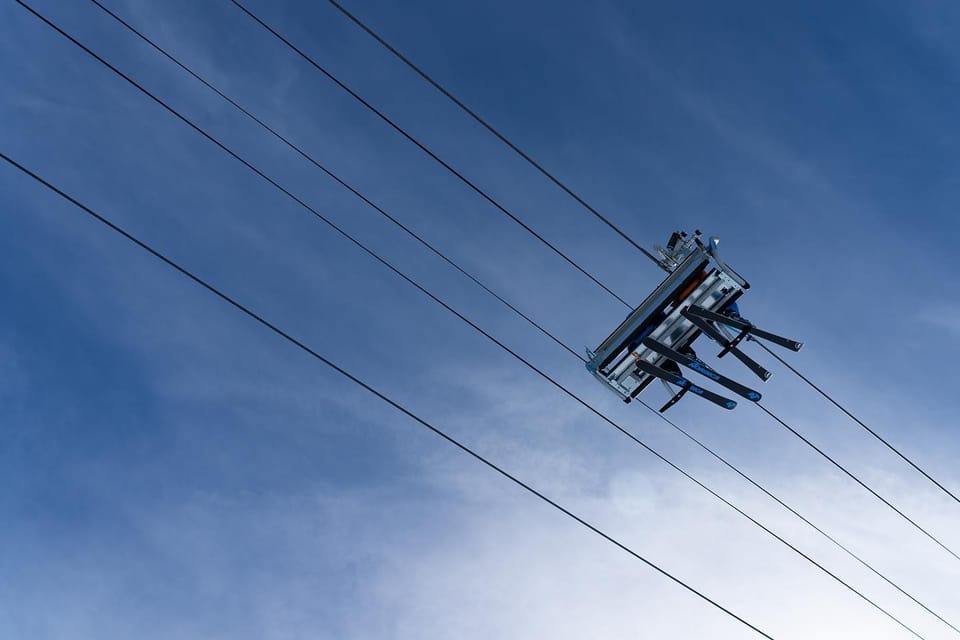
(699, 296)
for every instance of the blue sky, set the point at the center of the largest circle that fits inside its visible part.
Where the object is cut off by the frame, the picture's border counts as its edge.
(172, 470)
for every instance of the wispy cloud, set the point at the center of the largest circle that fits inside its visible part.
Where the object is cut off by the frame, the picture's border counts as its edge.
(944, 318)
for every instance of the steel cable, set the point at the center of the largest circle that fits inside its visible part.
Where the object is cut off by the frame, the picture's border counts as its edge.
(502, 300)
(369, 388)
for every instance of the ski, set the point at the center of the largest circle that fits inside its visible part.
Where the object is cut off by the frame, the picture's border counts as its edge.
(728, 346)
(700, 367)
(683, 383)
(745, 327)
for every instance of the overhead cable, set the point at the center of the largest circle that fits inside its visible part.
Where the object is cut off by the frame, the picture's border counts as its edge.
(380, 114)
(857, 420)
(500, 136)
(510, 306)
(489, 127)
(860, 482)
(446, 165)
(466, 320)
(326, 170)
(380, 395)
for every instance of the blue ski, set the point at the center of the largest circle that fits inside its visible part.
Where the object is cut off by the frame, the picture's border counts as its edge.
(683, 383)
(700, 367)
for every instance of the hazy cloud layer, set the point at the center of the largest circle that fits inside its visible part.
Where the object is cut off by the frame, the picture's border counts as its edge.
(170, 470)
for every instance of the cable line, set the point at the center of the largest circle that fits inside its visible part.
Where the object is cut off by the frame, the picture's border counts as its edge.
(500, 136)
(466, 320)
(299, 150)
(826, 535)
(510, 306)
(360, 99)
(374, 391)
(856, 479)
(485, 124)
(430, 153)
(489, 127)
(858, 421)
